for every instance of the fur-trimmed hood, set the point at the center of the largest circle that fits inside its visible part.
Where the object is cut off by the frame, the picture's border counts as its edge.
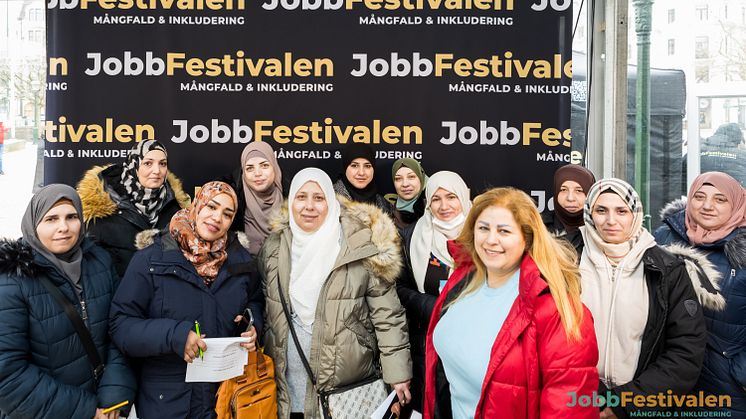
(673, 214)
(97, 203)
(387, 262)
(703, 274)
(17, 259)
(147, 237)
(672, 208)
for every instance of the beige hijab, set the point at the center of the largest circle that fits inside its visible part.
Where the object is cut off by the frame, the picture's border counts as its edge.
(430, 235)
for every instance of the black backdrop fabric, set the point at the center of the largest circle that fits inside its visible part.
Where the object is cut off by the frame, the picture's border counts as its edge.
(127, 70)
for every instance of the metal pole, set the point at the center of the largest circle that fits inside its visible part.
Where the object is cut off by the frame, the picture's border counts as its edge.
(643, 23)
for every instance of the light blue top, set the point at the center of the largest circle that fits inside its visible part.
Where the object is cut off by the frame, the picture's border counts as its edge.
(463, 339)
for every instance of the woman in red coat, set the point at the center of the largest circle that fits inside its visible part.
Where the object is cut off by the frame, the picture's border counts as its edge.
(536, 356)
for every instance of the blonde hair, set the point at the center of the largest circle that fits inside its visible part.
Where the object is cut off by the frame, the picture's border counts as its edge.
(556, 259)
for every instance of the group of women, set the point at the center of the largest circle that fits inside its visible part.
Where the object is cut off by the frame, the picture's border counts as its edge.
(466, 308)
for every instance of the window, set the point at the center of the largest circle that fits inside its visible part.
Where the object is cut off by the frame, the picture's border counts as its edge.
(702, 74)
(701, 47)
(36, 35)
(671, 46)
(702, 12)
(671, 15)
(35, 15)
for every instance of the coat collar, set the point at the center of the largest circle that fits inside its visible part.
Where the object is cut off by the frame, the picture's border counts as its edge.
(674, 214)
(369, 235)
(98, 203)
(530, 286)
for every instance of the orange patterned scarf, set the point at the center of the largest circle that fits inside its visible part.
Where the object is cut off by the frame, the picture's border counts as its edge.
(206, 257)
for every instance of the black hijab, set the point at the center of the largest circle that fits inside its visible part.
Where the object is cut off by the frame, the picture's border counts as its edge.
(356, 151)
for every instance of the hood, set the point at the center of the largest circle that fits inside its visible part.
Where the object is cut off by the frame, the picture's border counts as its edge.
(734, 249)
(355, 216)
(703, 274)
(145, 238)
(734, 243)
(97, 203)
(17, 259)
(672, 208)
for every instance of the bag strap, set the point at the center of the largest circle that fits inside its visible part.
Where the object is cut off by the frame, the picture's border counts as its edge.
(295, 336)
(83, 333)
(323, 399)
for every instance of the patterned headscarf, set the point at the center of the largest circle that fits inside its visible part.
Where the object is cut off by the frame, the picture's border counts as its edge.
(206, 257)
(148, 201)
(736, 196)
(631, 198)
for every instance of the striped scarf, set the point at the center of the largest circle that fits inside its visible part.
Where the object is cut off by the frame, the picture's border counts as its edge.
(632, 199)
(148, 201)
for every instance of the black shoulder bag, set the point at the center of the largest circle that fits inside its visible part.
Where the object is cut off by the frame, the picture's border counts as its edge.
(83, 333)
(355, 400)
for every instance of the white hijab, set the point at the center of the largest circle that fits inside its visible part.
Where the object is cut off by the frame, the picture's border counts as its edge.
(430, 234)
(312, 254)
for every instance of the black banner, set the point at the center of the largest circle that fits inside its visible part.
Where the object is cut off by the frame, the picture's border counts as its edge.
(480, 87)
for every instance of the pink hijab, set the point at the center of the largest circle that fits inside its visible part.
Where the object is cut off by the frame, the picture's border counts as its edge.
(735, 193)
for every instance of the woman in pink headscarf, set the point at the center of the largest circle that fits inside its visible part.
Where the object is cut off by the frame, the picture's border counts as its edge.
(713, 221)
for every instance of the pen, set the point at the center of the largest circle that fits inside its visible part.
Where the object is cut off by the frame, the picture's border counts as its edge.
(199, 335)
(115, 407)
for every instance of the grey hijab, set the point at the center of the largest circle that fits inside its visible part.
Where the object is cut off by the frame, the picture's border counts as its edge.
(70, 262)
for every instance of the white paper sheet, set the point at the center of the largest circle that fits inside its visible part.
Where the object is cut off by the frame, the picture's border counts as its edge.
(383, 410)
(223, 360)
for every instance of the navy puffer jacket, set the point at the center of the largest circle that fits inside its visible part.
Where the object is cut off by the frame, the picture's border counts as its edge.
(155, 308)
(44, 369)
(724, 371)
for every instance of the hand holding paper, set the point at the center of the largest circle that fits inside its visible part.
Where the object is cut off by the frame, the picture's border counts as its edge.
(223, 360)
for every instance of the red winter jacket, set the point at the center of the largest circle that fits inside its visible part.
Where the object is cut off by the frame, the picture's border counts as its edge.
(533, 368)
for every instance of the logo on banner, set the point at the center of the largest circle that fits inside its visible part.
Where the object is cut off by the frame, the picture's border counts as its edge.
(495, 66)
(486, 134)
(148, 4)
(236, 65)
(389, 4)
(325, 132)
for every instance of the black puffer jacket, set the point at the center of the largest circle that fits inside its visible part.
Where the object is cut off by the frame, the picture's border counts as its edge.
(44, 368)
(557, 229)
(112, 220)
(419, 308)
(673, 343)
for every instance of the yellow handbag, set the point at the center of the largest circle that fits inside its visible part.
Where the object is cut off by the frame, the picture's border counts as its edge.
(252, 395)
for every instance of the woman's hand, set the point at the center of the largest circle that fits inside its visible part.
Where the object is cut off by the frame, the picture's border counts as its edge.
(192, 346)
(251, 335)
(114, 414)
(402, 391)
(608, 414)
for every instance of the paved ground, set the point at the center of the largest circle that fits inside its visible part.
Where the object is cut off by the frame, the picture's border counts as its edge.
(16, 188)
